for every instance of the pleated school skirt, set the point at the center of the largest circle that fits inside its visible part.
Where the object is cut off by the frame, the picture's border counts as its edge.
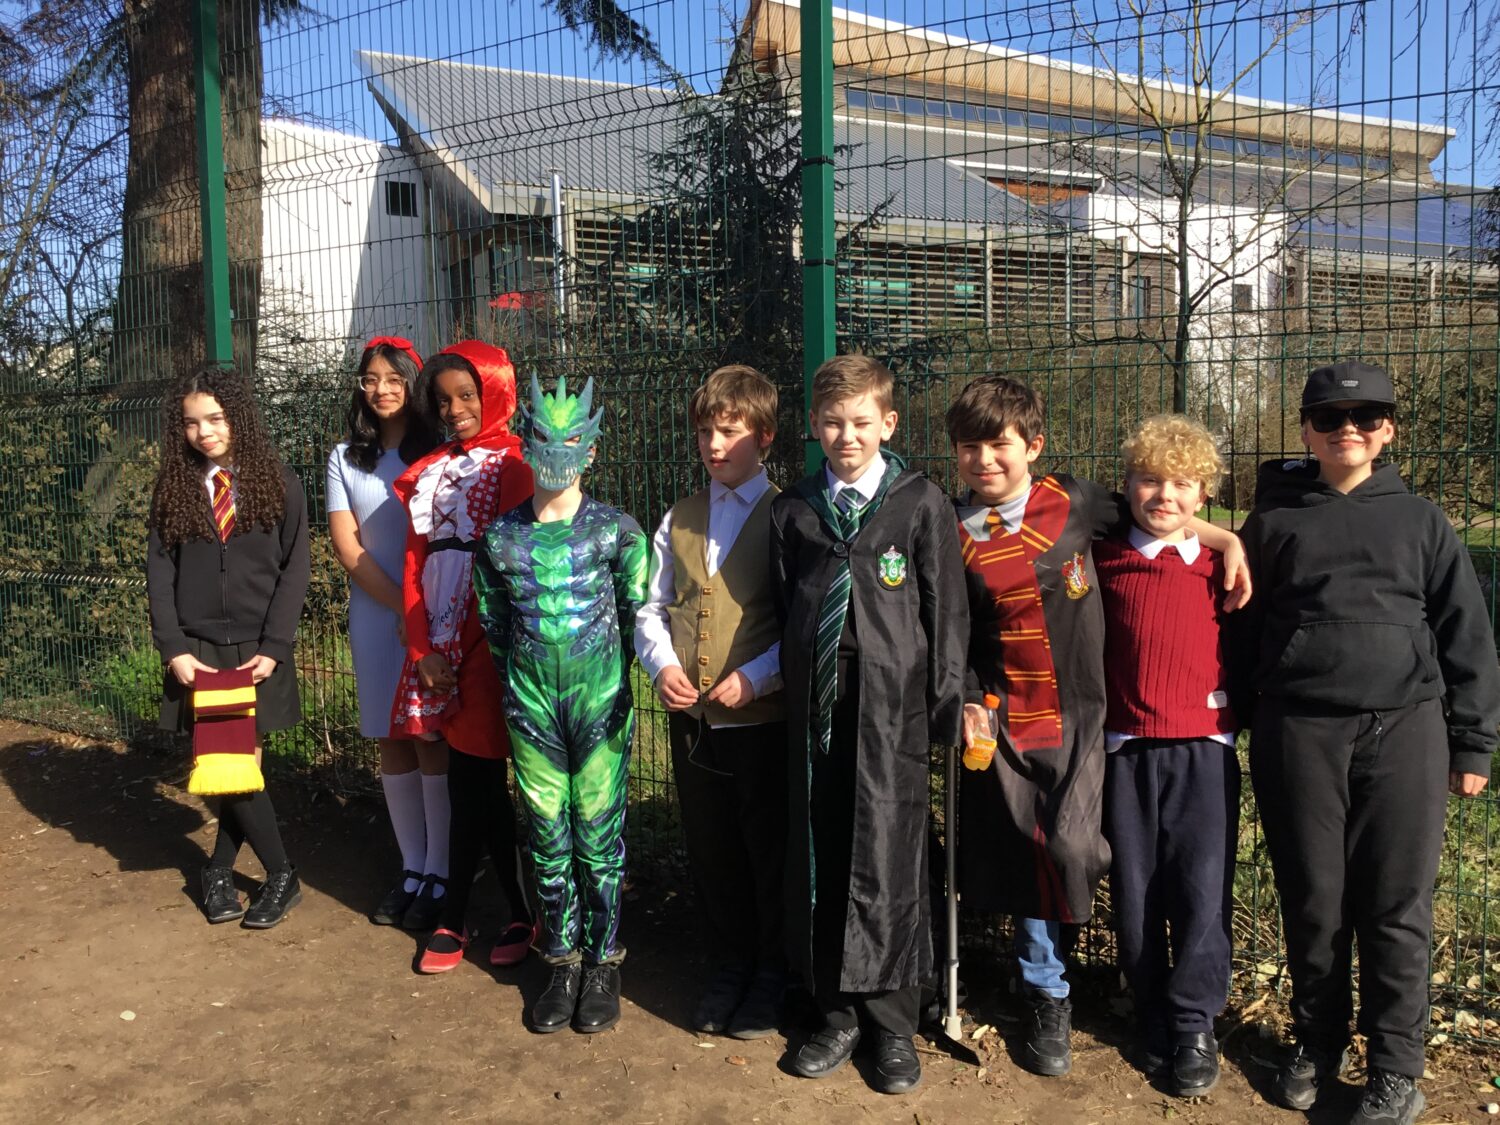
(277, 704)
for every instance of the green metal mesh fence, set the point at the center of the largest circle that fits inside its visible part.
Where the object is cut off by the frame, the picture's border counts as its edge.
(1188, 206)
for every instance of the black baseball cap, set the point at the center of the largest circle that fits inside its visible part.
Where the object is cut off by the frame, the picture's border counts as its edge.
(1350, 381)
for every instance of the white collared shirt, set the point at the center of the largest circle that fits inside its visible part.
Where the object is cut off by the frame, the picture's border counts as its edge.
(1150, 546)
(975, 517)
(728, 509)
(867, 485)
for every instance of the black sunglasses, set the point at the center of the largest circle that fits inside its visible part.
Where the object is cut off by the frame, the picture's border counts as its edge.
(1328, 419)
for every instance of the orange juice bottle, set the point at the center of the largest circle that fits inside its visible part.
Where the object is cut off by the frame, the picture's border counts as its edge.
(980, 751)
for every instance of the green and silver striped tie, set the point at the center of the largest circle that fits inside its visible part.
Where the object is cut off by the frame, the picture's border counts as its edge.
(835, 609)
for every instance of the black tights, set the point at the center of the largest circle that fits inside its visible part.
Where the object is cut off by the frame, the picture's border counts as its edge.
(249, 816)
(482, 817)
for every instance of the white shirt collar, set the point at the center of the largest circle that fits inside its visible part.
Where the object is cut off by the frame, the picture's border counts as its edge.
(1150, 546)
(866, 485)
(748, 493)
(208, 477)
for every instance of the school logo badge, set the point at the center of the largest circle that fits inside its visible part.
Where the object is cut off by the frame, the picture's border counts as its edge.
(1075, 578)
(892, 568)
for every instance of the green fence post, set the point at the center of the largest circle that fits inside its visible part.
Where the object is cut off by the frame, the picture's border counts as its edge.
(817, 200)
(210, 117)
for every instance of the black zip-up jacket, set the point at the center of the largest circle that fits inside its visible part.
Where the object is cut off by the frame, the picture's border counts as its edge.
(249, 589)
(1366, 601)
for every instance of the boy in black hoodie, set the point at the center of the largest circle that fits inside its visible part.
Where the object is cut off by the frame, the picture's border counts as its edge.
(1375, 692)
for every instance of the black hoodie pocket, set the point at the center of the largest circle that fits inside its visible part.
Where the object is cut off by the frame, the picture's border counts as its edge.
(1356, 664)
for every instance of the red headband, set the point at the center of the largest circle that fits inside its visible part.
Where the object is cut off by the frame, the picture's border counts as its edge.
(397, 342)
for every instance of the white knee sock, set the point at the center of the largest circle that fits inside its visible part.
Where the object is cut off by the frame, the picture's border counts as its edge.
(435, 801)
(403, 798)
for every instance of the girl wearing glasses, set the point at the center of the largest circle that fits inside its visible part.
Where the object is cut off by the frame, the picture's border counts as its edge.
(386, 433)
(1375, 693)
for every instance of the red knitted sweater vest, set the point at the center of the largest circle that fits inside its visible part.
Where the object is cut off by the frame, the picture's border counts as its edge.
(1163, 664)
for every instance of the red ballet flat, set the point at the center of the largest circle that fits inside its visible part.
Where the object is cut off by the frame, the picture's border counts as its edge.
(433, 962)
(514, 943)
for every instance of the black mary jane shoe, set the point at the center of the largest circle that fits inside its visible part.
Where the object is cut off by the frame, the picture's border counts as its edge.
(1195, 1064)
(221, 903)
(554, 1008)
(598, 999)
(281, 891)
(825, 1052)
(397, 901)
(425, 909)
(897, 1068)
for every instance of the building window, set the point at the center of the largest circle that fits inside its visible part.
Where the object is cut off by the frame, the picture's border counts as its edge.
(401, 198)
(1244, 297)
(1140, 294)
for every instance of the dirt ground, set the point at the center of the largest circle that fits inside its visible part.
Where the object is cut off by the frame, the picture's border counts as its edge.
(120, 1004)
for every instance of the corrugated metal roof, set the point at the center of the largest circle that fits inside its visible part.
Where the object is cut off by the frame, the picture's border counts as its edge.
(511, 129)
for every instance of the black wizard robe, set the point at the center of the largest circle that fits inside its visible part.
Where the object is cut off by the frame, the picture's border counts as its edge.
(1030, 840)
(911, 621)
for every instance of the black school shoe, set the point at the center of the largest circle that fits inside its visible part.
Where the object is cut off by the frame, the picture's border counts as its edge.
(1048, 1050)
(281, 891)
(425, 910)
(897, 1068)
(720, 1001)
(759, 1013)
(599, 999)
(1303, 1074)
(554, 1008)
(221, 903)
(825, 1052)
(1389, 1099)
(1195, 1064)
(397, 901)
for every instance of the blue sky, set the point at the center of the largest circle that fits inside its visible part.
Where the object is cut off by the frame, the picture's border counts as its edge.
(1404, 59)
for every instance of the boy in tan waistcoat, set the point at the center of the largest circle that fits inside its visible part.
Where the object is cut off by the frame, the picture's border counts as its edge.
(709, 638)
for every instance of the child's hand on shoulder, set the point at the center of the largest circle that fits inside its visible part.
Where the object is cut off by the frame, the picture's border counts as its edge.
(1236, 576)
(1467, 784)
(675, 689)
(260, 667)
(734, 690)
(185, 668)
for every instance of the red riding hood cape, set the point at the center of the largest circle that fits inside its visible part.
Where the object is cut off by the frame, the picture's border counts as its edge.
(451, 496)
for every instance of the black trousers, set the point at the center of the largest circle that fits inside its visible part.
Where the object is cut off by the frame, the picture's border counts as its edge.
(1171, 815)
(482, 818)
(1352, 808)
(832, 812)
(732, 789)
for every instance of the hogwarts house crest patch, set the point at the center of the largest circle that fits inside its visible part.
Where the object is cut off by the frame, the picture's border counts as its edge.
(892, 568)
(1075, 577)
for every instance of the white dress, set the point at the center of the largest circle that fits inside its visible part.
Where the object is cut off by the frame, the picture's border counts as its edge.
(382, 522)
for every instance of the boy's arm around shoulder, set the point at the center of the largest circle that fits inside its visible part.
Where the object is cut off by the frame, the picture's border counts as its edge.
(944, 616)
(1465, 643)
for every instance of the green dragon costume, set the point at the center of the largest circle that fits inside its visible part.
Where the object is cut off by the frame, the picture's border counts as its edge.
(558, 602)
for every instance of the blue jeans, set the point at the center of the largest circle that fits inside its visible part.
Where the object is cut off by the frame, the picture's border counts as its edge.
(1036, 949)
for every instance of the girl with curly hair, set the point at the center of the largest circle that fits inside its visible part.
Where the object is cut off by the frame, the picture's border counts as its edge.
(388, 432)
(226, 572)
(449, 687)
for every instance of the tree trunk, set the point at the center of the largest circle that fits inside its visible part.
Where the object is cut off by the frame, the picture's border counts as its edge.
(159, 315)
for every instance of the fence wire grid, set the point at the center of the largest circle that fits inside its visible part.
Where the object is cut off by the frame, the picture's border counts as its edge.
(1133, 208)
